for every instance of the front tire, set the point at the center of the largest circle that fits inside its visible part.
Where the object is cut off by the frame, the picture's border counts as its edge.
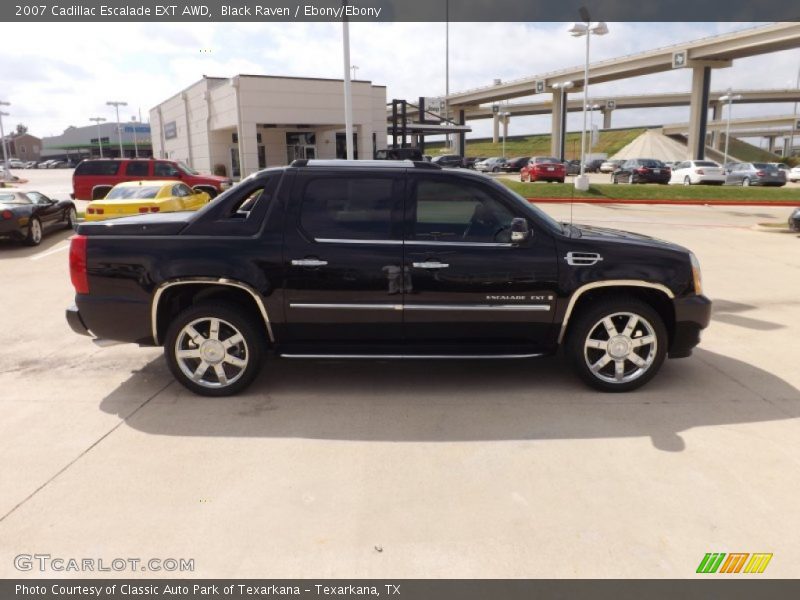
(214, 350)
(746, 182)
(687, 181)
(617, 345)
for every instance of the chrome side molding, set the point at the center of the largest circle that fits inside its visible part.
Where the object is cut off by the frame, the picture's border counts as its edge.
(412, 356)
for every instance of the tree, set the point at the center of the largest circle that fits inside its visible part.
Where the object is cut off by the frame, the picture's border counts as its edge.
(21, 129)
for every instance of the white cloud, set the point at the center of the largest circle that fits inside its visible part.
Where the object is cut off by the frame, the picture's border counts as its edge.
(67, 76)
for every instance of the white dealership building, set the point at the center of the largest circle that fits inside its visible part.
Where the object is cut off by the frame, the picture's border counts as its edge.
(249, 122)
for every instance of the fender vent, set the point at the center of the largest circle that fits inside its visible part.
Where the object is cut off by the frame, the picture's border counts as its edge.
(582, 259)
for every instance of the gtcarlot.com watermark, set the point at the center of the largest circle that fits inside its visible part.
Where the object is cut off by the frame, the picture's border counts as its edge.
(46, 563)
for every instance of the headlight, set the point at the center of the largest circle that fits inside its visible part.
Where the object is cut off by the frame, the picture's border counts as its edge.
(225, 185)
(696, 276)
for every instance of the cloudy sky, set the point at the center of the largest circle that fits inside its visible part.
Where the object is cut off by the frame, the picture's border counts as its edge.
(62, 74)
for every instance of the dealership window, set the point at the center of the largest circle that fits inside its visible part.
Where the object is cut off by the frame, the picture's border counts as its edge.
(349, 208)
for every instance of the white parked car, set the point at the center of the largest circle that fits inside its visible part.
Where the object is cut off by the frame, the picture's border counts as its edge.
(794, 175)
(694, 172)
(15, 163)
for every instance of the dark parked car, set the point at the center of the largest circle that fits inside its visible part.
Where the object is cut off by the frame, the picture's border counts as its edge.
(451, 161)
(794, 220)
(399, 154)
(25, 216)
(573, 167)
(746, 174)
(593, 166)
(342, 259)
(514, 165)
(642, 170)
(469, 161)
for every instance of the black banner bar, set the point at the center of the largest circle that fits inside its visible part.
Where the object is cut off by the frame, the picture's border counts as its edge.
(399, 10)
(715, 586)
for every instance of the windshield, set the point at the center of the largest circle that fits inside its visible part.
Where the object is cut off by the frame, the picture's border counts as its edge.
(139, 192)
(187, 169)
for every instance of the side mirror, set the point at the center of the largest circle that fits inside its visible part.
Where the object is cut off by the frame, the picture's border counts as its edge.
(520, 231)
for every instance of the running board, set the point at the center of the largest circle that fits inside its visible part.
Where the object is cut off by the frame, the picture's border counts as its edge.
(414, 356)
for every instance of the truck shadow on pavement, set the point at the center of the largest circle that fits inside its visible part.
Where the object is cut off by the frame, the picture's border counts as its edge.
(52, 238)
(454, 401)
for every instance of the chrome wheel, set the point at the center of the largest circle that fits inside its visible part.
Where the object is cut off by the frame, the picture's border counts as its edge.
(211, 352)
(35, 232)
(72, 218)
(620, 347)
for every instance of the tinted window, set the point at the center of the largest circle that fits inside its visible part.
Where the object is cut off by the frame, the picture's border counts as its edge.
(162, 169)
(651, 163)
(458, 212)
(547, 159)
(762, 165)
(180, 190)
(350, 208)
(137, 168)
(97, 167)
(705, 163)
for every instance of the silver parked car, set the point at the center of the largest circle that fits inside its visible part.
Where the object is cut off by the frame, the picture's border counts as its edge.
(754, 174)
(493, 164)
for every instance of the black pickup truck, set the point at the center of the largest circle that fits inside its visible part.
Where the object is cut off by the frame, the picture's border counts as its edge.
(387, 259)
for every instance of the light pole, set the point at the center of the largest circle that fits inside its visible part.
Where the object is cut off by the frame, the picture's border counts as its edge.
(591, 108)
(354, 68)
(116, 105)
(99, 120)
(729, 98)
(348, 89)
(3, 138)
(135, 142)
(794, 120)
(505, 116)
(563, 87)
(586, 29)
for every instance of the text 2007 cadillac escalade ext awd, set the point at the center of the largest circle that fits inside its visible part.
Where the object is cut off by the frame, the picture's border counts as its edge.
(389, 259)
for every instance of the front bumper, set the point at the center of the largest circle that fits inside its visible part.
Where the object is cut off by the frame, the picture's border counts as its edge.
(692, 315)
(76, 322)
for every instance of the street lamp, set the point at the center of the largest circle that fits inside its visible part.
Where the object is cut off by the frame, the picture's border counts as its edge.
(505, 116)
(729, 97)
(116, 105)
(3, 138)
(563, 87)
(587, 28)
(135, 142)
(99, 120)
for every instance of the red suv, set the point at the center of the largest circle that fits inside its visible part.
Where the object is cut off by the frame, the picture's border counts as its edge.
(94, 178)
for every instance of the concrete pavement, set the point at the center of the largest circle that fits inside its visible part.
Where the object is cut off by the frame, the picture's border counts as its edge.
(383, 469)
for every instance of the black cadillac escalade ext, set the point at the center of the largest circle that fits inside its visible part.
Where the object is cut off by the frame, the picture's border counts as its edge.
(389, 259)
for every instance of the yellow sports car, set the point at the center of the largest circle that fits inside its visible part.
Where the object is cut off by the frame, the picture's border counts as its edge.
(142, 197)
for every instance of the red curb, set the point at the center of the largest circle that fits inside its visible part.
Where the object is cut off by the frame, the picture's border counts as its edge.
(709, 202)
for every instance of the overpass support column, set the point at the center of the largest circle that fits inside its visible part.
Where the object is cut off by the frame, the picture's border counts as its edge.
(770, 143)
(559, 126)
(496, 128)
(607, 118)
(698, 112)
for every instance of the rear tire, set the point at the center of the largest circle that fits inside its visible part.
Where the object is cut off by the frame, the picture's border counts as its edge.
(35, 233)
(214, 350)
(617, 345)
(72, 219)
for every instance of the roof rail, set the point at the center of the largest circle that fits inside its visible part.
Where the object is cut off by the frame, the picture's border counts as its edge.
(372, 164)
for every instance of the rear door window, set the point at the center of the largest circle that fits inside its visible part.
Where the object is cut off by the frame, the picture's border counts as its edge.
(137, 168)
(352, 208)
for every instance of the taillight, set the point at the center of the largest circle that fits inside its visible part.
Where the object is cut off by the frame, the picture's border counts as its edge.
(147, 209)
(699, 171)
(94, 211)
(7, 214)
(143, 209)
(761, 173)
(154, 209)
(642, 170)
(77, 264)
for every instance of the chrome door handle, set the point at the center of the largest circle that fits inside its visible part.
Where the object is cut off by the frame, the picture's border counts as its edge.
(308, 262)
(430, 264)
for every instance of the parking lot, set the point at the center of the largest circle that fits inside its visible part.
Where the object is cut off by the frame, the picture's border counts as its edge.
(413, 469)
